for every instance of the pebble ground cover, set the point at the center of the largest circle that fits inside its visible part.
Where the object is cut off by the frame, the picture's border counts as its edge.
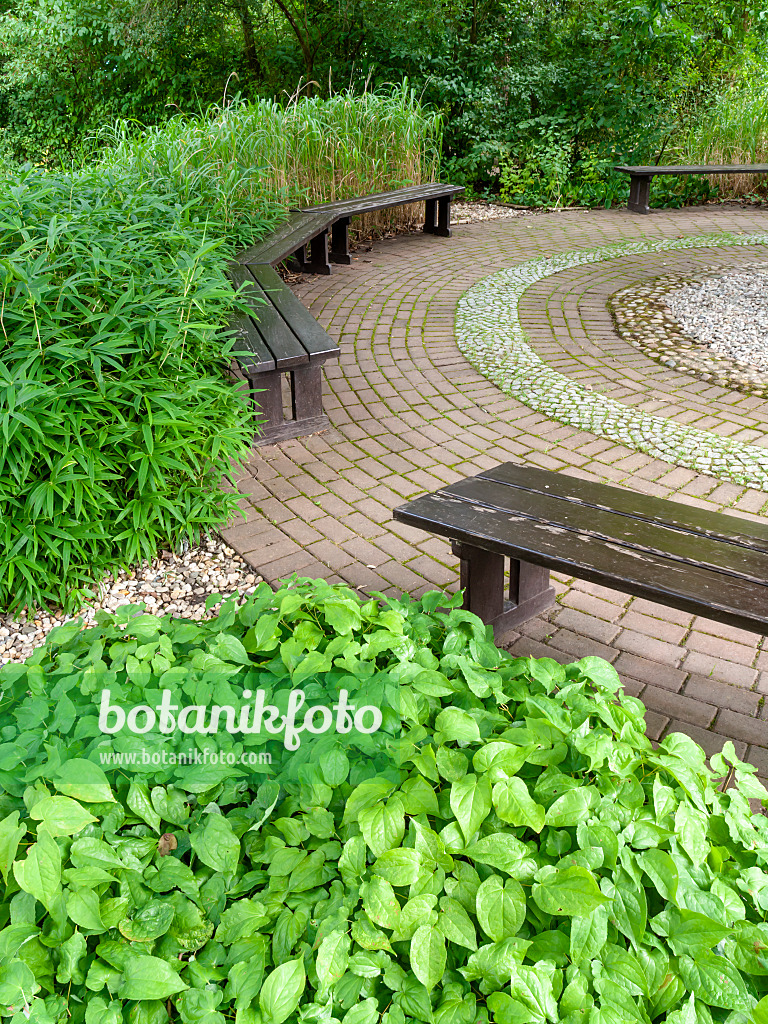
(643, 317)
(508, 847)
(490, 335)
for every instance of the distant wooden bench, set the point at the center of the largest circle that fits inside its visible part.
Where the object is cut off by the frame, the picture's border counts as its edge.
(308, 228)
(702, 562)
(640, 178)
(281, 335)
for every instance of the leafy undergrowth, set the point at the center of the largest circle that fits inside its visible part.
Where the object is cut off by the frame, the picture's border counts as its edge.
(509, 846)
(117, 419)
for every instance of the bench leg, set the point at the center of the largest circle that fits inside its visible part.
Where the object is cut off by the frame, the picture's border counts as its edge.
(482, 580)
(319, 262)
(267, 396)
(430, 216)
(639, 193)
(443, 227)
(340, 242)
(307, 391)
(299, 258)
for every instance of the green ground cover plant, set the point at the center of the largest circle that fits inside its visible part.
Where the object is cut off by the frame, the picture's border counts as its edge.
(508, 847)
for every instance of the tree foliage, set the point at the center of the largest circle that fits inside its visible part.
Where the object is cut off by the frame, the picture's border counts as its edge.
(556, 87)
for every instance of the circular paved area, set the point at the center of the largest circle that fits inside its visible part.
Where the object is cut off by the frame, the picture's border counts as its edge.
(409, 414)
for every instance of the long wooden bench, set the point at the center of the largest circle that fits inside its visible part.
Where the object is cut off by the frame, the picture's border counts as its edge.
(280, 335)
(308, 228)
(707, 563)
(640, 178)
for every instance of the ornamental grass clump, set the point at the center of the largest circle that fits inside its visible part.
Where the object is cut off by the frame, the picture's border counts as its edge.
(117, 419)
(734, 130)
(506, 846)
(306, 151)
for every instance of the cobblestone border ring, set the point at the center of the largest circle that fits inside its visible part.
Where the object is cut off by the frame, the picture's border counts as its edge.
(489, 333)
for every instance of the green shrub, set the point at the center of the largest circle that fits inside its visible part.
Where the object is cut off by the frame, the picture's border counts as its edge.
(508, 846)
(117, 419)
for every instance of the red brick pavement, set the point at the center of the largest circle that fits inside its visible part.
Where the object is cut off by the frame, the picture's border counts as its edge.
(409, 414)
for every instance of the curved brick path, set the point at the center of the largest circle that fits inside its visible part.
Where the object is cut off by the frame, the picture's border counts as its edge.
(409, 414)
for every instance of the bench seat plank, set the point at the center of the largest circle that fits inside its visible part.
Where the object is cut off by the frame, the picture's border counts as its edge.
(701, 522)
(666, 539)
(299, 229)
(384, 200)
(653, 169)
(646, 574)
(309, 332)
(286, 349)
(252, 354)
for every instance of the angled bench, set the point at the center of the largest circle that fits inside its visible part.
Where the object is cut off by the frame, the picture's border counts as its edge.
(707, 563)
(640, 178)
(437, 221)
(304, 235)
(281, 335)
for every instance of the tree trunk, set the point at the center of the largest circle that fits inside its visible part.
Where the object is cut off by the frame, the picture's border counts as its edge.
(251, 56)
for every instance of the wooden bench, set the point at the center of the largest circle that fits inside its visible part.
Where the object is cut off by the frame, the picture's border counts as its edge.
(308, 228)
(281, 336)
(640, 178)
(702, 562)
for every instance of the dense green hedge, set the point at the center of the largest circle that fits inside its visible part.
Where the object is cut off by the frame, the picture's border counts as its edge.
(507, 847)
(116, 418)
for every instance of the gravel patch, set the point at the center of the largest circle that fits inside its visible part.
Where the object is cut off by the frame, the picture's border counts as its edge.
(644, 317)
(470, 213)
(176, 584)
(728, 314)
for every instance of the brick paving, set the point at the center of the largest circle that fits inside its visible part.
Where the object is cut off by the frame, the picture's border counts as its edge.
(409, 414)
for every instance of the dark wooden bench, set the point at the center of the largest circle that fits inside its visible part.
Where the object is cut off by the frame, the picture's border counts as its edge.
(281, 337)
(304, 235)
(702, 562)
(640, 178)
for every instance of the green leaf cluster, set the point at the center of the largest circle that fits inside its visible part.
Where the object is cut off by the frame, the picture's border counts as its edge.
(509, 847)
(118, 415)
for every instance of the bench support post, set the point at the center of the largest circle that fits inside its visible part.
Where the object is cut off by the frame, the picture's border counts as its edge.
(639, 193)
(267, 395)
(430, 216)
(482, 580)
(318, 262)
(306, 401)
(437, 216)
(307, 391)
(340, 242)
(443, 227)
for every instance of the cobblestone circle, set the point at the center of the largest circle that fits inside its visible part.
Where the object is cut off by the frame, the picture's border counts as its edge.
(490, 334)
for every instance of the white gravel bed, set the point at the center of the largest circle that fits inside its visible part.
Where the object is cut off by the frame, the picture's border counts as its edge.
(175, 584)
(469, 213)
(728, 314)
